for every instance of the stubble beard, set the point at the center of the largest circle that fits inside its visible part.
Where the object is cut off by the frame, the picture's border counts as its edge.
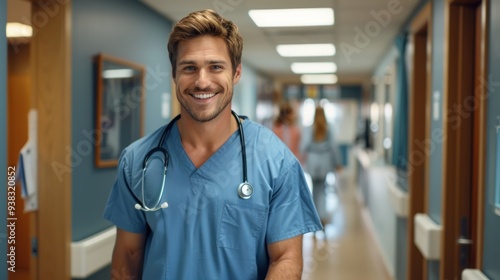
(205, 117)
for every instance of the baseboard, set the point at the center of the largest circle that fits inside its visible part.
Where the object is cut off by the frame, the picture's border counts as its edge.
(473, 274)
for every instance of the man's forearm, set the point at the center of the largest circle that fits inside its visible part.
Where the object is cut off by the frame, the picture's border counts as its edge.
(126, 266)
(286, 269)
(124, 273)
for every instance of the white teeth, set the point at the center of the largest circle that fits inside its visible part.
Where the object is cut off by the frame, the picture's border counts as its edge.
(204, 96)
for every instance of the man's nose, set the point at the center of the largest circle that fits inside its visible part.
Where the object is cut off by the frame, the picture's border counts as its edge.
(202, 80)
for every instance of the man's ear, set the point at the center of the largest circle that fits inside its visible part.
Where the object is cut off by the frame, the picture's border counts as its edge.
(237, 74)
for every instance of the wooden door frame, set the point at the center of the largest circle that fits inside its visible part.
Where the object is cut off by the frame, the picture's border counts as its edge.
(421, 38)
(51, 96)
(463, 151)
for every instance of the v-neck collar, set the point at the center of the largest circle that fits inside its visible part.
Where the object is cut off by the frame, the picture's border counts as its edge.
(213, 163)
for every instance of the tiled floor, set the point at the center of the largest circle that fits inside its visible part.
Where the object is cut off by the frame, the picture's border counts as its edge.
(346, 251)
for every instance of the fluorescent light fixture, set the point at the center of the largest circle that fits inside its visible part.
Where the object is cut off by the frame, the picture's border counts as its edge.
(292, 17)
(117, 73)
(302, 50)
(314, 67)
(18, 30)
(319, 79)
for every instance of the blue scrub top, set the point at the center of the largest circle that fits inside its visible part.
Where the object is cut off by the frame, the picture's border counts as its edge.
(208, 231)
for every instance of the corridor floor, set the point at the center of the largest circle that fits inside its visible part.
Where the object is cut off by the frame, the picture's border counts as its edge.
(346, 250)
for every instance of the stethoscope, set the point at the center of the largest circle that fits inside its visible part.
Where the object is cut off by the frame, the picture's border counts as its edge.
(245, 189)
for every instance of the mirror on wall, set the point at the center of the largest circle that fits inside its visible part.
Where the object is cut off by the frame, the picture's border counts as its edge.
(119, 107)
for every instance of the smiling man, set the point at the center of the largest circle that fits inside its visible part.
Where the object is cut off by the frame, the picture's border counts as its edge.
(211, 195)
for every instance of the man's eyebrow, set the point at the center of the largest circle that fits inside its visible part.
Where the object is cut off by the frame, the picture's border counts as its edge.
(217, 62)
(210, 62)
(186, 62)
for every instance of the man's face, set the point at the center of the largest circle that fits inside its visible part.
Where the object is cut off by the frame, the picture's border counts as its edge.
(204, 77)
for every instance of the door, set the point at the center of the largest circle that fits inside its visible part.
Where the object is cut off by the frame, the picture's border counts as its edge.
(463, 119)
(18, 100)
(51, 96)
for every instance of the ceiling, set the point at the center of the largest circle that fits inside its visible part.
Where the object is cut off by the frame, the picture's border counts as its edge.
(356, 59)
(363, 32)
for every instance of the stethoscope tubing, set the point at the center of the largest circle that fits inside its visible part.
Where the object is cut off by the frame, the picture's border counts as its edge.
(243, 146)
(157, 204)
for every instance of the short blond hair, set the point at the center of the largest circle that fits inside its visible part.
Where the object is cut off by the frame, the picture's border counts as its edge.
(206, 22)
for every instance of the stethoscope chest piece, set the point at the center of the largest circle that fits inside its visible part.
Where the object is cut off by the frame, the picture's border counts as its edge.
(245, 190)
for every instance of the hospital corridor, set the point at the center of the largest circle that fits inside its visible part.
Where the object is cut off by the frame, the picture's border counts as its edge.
(197, 140)
(347, 248)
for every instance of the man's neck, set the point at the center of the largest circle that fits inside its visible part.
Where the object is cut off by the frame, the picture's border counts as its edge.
(201, 139)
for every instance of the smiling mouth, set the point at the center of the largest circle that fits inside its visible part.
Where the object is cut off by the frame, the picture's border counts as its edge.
(204, 95)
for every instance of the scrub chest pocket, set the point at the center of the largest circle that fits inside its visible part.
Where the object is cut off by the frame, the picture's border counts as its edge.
(240, 225)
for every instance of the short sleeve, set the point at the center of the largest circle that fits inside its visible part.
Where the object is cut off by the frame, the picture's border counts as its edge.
(120, 206)
(292, 211)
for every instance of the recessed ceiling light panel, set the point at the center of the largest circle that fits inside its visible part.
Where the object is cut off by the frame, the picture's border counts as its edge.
(313, 67)
(292, 17)
(319, 79)
(306, 50)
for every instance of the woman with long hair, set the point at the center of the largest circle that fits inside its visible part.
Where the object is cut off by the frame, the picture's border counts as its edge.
(321, 157)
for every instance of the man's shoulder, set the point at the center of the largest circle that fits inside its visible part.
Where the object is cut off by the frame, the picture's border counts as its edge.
(260, 131)
(267, 142)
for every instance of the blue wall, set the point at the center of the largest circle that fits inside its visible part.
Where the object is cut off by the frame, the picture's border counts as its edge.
(491, 254)
(245, 93)
(129, 30)
(3, 138)
(436, 150)
(401, 248)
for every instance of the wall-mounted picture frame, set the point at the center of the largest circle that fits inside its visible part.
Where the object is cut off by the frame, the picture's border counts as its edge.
(119, 107)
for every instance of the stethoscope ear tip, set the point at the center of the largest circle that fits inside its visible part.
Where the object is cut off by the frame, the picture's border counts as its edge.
(137, 206)
(164, 205)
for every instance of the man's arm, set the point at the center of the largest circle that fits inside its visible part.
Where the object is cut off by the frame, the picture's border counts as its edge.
(128, 256)
(285, 259)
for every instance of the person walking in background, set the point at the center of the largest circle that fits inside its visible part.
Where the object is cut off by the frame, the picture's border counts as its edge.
(321, 156)
(286, 128)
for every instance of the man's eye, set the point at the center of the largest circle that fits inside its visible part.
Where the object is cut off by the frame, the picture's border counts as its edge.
(189, 68)
(216, 67)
